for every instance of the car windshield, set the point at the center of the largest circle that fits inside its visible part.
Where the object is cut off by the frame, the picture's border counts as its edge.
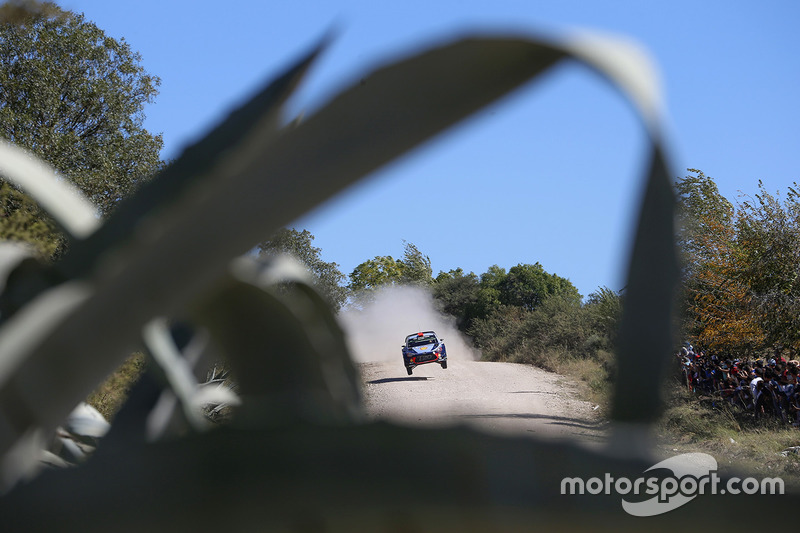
(420, 341)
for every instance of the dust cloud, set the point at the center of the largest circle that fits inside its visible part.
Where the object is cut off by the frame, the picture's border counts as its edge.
(376, 331)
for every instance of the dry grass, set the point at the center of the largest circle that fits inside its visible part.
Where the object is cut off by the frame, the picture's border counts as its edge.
(591, 374)
(741, 444)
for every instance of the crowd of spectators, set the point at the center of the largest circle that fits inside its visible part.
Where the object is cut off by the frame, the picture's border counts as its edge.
(765, 387)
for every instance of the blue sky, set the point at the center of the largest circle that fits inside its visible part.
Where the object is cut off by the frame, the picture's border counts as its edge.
(550, 174)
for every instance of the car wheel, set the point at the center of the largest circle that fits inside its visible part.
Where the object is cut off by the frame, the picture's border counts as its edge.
(409, 371)
(444, 364)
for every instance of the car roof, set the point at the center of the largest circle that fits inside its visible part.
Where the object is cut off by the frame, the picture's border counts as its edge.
(421, 334)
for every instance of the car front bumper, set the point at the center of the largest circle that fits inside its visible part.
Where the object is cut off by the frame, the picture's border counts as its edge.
(423, 359)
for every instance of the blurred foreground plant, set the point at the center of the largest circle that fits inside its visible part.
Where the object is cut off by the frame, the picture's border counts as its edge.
(297, 454)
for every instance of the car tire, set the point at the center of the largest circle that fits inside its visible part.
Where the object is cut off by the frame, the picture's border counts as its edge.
(444, 364)
(409, 371)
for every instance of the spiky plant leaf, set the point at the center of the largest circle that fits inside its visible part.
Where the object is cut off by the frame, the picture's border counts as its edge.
(244, 181)
(287, 350)
(72, 212)
(35, 382)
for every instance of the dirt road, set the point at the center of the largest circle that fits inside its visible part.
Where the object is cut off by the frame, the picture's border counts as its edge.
(496, 397)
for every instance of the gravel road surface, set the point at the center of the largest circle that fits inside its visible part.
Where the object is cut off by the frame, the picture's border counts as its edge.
(496, 397)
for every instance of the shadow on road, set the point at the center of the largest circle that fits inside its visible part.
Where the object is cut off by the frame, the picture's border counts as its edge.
(391, 380)
(555, 420)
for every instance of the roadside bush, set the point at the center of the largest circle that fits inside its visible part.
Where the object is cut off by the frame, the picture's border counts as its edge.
(557, 326)
(559, 336)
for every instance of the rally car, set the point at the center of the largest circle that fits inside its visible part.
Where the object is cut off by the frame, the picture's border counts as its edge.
(423, 348)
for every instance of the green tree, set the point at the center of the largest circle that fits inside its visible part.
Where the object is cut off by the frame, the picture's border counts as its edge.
(416, 266)
(22, 220)
(19, 11)
(512, 333)
(559, 323)
(703, 214)
(768, 235)
(376, 272)
(500, 333)
(75, 97)
(298, 244)
(493, 277)
(604, 308)
(528, 286)
(718, 303)
(489, 295)
(458, 295)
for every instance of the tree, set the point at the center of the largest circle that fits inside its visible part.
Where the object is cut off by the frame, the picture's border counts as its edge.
(718, 302)
(489, 295)
(528, 286)
(18, 11)
(704, 215)
(22, 220)
(327, 276)
(559, 323)
(768, 233)
(458, 295)
(416, 267)
(413, 269)
(75, 97)
(376, 272)
(604, 307)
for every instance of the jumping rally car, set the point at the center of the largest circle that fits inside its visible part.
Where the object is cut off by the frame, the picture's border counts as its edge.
(422, 348)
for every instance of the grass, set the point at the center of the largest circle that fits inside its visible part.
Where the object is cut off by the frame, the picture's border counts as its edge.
(111, 394)
(592, 374)
(741, 444)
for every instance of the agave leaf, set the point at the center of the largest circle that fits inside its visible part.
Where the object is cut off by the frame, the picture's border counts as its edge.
(178, 372)
(246, 129)
(21, 335)
(72, 212)
(86, 422)
(214, 395)
(156, 262)
(176, 367)
(12, 255)
(628, 66)
(31, 359)
(285, 347)
(646, 335)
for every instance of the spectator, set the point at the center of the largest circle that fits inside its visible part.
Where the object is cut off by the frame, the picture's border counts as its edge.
(767, 386)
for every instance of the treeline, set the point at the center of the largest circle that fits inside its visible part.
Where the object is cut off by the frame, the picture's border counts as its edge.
(523, 314)
(76, 98)
(740, 292)
(741, 269)
(528, 315)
